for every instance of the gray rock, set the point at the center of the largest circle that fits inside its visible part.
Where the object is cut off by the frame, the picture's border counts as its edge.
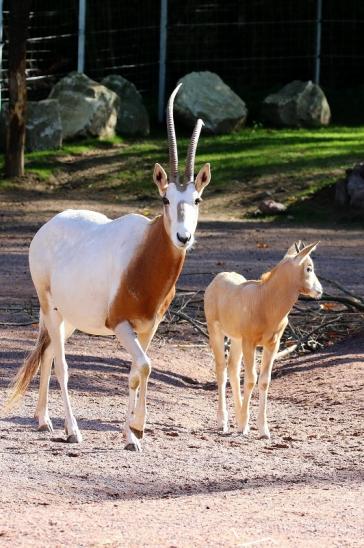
(297, 104)
(355, 186)
(43, 128)
(133, 117)
(341, 193)
(44, 125)
(87, 107)
(349, 192)
(204, 95)
(270, 207)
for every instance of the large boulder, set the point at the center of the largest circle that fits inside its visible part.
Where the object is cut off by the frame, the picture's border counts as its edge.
(87, 107)
(204, 95)
(297, 104)
(133, 117)
(43, 127)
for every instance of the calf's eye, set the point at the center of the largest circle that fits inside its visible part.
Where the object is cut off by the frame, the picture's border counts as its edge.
(165, 200)
(197, 201)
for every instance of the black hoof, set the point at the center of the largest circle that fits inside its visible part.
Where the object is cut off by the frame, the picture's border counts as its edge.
(132, 447)
(72, 438)
(45, 428)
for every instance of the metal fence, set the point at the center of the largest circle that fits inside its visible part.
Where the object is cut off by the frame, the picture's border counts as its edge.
(251, 44)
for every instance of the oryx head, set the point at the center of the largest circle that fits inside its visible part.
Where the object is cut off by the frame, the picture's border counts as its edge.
(303, 269)
(181, 198)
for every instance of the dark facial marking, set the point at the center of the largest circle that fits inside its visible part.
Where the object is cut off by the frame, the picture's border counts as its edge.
(181, 211)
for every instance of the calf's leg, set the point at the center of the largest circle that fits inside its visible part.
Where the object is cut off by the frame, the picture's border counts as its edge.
(250, 379)
(234, 366)
(217, 345)
(269, 354)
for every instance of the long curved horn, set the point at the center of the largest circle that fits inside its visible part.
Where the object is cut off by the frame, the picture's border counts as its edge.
(172, 141)
(191, 153)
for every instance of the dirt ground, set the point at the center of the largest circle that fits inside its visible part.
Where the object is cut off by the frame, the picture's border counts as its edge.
(190, 485)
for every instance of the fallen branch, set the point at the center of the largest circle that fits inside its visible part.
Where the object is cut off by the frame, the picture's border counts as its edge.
(349, 301)
(342, 288)
(184, 316)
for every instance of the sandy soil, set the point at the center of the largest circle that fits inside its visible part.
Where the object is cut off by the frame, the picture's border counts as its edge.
(191, 485)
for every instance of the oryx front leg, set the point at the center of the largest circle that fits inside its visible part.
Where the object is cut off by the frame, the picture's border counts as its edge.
(217, 346)
(264, 380)
(138, 379)
(250, 379)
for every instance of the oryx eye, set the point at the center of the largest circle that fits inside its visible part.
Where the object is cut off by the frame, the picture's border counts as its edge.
(198, 200)
(165, 200)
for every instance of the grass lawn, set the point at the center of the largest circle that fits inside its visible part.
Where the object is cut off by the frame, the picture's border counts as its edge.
(293, 165)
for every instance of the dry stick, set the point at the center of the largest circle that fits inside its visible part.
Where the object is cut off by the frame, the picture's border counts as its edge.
(184, 316)
(342, 288)
(188, 301)
(286, 351)
(21, 324)
(349, 301)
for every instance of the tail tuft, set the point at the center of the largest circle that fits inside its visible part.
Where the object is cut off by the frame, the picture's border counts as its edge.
(29, 369)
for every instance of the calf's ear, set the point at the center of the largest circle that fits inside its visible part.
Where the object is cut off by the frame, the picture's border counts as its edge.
(294, 249)
(305, 252)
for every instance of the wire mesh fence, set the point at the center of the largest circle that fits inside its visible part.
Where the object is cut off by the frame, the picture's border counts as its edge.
(249, 43)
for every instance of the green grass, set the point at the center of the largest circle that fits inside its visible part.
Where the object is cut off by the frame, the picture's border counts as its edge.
(303, 160)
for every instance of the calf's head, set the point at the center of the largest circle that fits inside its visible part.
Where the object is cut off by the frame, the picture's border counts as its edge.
(302, 269)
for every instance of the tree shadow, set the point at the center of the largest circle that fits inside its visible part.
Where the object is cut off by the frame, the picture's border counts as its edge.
(109, 488)
(82, 367)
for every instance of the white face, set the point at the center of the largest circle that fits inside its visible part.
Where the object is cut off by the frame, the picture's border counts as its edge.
(180, 204)
(310, 283)
(181, 208)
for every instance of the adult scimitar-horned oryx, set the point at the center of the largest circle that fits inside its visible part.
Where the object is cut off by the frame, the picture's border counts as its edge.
(106, 277)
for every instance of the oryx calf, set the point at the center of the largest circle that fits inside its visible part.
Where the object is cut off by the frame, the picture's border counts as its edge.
(106, 277)
(254, 313)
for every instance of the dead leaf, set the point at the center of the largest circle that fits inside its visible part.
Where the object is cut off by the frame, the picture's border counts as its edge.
(330, 306)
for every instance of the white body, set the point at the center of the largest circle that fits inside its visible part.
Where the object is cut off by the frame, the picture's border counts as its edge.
(81, 256)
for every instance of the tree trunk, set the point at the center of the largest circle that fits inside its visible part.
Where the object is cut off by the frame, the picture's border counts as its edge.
(15, 136)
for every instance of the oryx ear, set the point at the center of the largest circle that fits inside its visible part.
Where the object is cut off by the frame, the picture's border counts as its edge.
(305, 252)
(160, 179)
(294, 249)
(203, 178)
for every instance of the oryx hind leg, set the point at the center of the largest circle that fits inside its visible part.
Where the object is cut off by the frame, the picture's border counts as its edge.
(41, 412)
(56, 329)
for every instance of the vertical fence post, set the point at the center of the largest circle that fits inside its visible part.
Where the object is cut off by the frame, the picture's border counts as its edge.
(1, 51)
(81, 35)
(318, 41)
(162, 59)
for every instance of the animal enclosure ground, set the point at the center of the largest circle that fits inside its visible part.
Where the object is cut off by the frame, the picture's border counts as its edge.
(191, 485)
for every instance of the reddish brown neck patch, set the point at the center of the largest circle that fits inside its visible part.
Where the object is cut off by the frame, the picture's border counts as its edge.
(149, 279)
